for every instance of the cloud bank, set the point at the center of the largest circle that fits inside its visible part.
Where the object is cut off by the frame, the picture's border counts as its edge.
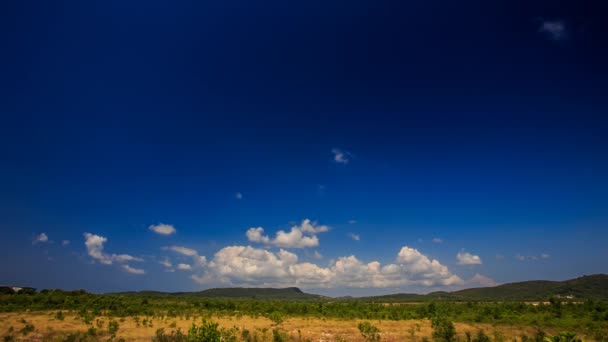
(249, 266)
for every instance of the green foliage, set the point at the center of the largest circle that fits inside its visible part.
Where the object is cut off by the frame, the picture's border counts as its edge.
(28, 328)
(481, 336)
(279, 336)
(113, 328)
(565, 336)
(174, 336)
(206, 332)
(443, 330)
(369, 332)
(59, 316)
(276, 317)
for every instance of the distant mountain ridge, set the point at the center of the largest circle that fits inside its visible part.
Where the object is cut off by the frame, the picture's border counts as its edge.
(586, 287)
(293, 293)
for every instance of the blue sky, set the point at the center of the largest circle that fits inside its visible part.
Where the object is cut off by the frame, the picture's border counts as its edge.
(394, 147)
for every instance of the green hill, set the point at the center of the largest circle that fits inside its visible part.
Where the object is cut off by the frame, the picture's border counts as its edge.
(289, 293)
(586, 287)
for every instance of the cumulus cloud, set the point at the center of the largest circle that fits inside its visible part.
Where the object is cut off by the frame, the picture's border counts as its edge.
(65, 242)
(465, 258)
(437, 240)
(481, 280)
(199, 260)
(318, 255)
(554, 29)
(354, 236)
(162, 229)
(184, 267)
(246, 265)
(94, 244)
(340, 156)
(238, 195)
(132, 270)
(40, 238)
(300, 236)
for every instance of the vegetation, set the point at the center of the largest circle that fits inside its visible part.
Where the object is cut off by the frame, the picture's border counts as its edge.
(369, 332)
(103, 314)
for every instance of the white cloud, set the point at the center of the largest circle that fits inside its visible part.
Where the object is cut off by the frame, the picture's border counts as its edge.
(199, 260)
(132, 270)
(183, 250)
(65, 242)
(318, 255)
(246, 265)
(257, 235)
(40, 238)
(94, 244)
(354, 236)
(554, 29)
(238, 195)
(481, 280)
(312, 227)
(184, 267)
(301, 236)
(352, 221)
(465, 258)
(162, 229)
(166, 262)
(437, 240)
(340, 156)
(543, 256)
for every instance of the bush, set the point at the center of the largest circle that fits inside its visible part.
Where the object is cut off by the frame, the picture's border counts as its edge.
(113, 327)
(206, 332)
(370, 333)
(175, 336)
(278, 336)
(481, 336)
(28, 328)
(443, 330)
(276, 317)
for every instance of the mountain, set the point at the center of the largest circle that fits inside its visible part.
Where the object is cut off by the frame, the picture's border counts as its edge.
(586, 287)
(288, 293)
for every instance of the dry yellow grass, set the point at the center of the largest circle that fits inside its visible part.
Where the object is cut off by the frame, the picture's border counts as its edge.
(314, 329)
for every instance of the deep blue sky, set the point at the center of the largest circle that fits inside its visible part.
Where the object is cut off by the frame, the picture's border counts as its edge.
(482, 124)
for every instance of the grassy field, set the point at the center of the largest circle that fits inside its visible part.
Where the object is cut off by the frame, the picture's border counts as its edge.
(55, 315)
(47, 327)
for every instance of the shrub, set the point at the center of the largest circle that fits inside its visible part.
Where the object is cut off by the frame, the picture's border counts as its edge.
(443, 330)
(28, 328)
(175, 336)
(370, 333)
(278, 336)
(113, 327)
(206, 332)
(276, 317)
